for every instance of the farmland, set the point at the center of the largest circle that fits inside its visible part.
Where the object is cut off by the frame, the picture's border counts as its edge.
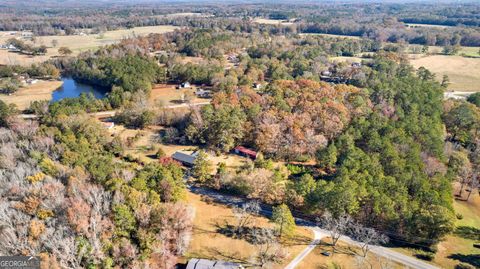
(77, 43)
(462, 72)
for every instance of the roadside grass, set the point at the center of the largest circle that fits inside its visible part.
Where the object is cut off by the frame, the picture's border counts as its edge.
(208, 243)
(344, 256)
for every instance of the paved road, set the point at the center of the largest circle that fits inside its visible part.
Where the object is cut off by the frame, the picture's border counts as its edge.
(111, 113)
(266, 210)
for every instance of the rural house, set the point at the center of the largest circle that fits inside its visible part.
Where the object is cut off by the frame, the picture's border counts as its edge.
(243, 151)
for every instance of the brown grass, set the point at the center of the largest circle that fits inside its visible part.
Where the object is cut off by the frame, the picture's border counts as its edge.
(207, 243)
(271, 22)
(41, 90)
(76, 43)
(344, 256)
(464, 73)
(166, 94)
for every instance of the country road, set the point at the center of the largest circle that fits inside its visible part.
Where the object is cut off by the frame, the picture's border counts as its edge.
(111, 113)
(319, 233)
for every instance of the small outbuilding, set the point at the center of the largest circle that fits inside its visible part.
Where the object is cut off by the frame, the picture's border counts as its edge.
(246, 152)
(185, 158)
(209, 264)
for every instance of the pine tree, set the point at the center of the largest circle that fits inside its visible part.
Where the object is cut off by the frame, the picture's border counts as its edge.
(284, 220)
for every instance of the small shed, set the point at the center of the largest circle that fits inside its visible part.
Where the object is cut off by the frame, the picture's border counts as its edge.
(209, 264)
(185, 158)
(243, 151)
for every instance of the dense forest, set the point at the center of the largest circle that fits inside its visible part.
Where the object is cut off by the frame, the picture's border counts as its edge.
(377, 22)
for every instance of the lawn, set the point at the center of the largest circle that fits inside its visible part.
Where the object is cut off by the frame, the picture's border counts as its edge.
(76, 43)
(463, 72)
(41, 90)
(166, 94)
(208, 243)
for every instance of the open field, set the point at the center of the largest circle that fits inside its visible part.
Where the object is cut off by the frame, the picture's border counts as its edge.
(331, 35)
(344, 257)
(272, 22)
(76, 43)
(41, 90)
(463, 72)
(166, 94)
(208, 243)
(417, 25)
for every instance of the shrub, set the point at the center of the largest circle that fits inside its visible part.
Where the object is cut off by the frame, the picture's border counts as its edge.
(459, 216)
(425, 255)
(464, 266)
(161, 153)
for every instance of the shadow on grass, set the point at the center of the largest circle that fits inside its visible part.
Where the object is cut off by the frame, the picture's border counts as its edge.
(248, 234)
(472, 259)
(468, 232)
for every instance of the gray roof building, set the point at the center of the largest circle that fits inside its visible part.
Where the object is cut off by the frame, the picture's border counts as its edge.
(185, 158)
(208, 264)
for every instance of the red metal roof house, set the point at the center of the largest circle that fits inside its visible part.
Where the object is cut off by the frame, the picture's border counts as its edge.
(240, 150)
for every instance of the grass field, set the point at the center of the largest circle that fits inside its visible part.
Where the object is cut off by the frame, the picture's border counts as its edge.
(166, 94)
(76, 43)
(271, 22)
(208, 243)
(41, 90)
(464, 73)
(330, 35)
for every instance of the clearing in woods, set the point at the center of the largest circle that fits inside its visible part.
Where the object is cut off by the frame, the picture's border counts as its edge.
(39, 91)
(463, 72)
(76, 43)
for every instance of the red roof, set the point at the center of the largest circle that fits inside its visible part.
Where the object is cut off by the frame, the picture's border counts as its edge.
(244, 150)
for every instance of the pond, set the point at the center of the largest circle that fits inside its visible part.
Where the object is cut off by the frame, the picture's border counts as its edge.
(72, 88)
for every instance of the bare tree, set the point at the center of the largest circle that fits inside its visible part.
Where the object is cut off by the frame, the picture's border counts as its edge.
(268, 250)
(245, 215)
(367, 237)
(474, 184)
(337, 226)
